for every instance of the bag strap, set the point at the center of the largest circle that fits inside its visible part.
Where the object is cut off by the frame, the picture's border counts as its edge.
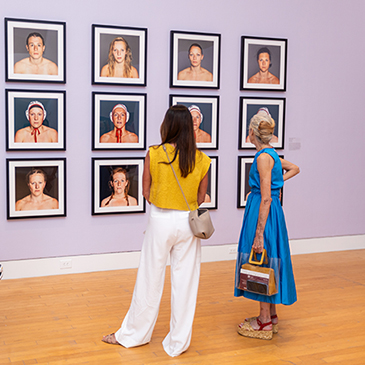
(263, 258)
(164, 148)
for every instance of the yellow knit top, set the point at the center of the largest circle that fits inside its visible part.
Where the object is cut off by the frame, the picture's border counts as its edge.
(165, 191)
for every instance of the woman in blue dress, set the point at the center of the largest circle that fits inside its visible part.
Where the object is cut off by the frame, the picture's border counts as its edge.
(264, 226)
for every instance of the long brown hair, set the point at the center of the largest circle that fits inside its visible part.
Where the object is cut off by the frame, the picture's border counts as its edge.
(127, 59)
(177, 128)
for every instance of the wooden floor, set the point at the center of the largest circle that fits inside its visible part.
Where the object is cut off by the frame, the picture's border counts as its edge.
(61, 319)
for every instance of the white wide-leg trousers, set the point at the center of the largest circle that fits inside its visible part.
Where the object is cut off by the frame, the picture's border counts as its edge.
(168, 233)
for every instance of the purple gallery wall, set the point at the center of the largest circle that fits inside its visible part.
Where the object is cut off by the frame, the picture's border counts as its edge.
(324, 130)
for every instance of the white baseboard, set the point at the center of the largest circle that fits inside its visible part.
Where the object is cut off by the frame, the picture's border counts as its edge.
(128, 260)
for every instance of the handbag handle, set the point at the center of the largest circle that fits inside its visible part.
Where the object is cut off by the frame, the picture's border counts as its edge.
(254, 261)
(164, 148)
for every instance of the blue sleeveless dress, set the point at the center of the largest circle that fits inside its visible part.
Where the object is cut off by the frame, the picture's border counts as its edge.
(276, 240)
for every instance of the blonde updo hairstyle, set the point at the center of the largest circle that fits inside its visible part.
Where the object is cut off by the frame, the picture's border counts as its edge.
(262, 126)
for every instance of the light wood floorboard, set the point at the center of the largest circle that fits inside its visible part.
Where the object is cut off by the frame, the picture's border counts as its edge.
(61, 319)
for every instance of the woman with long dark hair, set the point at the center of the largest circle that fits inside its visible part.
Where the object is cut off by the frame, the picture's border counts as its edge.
(168, 234)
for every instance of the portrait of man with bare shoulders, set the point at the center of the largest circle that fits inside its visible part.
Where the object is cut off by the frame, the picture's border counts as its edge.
(35, 63)
(263, 63)
(263, 76)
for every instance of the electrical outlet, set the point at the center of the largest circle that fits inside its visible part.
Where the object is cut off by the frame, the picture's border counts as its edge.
(232, 251)
(66, 264)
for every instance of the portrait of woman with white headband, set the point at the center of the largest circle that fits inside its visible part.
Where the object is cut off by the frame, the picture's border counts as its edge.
(264, 111)
(119, 116)
(36, 132)
(200, 135)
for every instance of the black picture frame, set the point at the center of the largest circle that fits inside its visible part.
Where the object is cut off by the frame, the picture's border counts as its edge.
(18, 191)
(102, 38)
(211, 197)
(210, 49)
(18, 128)
(17, 66)
(103, 103)
(244, 166)
(243, 187)
(249, 106)
(208, 108)
(102, 169)
(277, 48)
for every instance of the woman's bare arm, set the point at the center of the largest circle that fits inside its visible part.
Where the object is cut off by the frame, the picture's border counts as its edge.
(202, 190)
(290, 169)
(265, 164)
(147, 178)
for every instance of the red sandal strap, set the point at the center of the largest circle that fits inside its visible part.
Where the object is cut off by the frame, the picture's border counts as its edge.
(262, 325)
(274, 316)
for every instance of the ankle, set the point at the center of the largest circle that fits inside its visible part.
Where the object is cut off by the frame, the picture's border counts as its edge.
(264, 319)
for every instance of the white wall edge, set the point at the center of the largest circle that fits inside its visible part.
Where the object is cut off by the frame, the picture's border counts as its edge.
(128, 260)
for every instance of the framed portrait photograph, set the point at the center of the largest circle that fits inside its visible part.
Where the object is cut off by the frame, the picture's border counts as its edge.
(272, 107)
(35, 50)
(35, 120)
(195, 60)
(263, 63)
(211, 197)
(244, 167)
(119, 121)
(119, 55)
(117, 186)
(205, 113)
(36, 188)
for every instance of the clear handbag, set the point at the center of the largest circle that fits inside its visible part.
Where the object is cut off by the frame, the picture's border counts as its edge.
(258, 276)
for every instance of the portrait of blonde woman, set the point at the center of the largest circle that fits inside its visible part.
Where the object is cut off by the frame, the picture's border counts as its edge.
(119, 60)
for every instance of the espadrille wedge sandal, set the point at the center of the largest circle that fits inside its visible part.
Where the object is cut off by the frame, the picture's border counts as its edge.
(247, 330)
(275, 327)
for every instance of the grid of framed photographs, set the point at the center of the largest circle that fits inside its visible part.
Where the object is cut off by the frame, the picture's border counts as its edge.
(36, 119)
(263, 68)
(119, 57)
(35, 52)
